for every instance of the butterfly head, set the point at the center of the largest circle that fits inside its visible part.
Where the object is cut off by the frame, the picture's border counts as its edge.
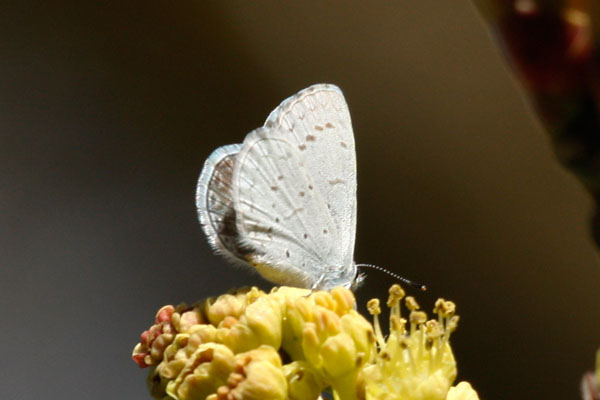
(358, 280)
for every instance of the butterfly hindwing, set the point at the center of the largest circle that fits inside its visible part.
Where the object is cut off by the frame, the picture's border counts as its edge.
(277, 201)
(318, 121)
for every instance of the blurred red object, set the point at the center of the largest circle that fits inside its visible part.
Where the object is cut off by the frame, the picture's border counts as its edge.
(553, 47)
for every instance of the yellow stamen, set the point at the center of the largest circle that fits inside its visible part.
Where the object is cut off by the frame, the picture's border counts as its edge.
(374, 309)
(411, 303)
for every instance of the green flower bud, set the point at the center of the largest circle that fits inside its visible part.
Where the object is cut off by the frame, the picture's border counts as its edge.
(228, 305)
(303, 381)
(208, 368)
(262, 376)
(338, 355)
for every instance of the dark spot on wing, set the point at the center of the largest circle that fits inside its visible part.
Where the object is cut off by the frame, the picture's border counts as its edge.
(274, 188)
(305, 236)
(277, 219)
(329, 125)
(302, 147)
(280, 177)
(310, 138)
(325, 231)
(287, 253)
(344, 145)
(318, 128)
(301, 194)
(328, 206)
(310, 187)
(336, 181)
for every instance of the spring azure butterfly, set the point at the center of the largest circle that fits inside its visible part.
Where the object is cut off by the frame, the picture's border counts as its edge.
(284, 200)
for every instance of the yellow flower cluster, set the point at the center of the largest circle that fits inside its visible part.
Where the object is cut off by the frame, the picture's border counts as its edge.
(293, 344)
(416, 361)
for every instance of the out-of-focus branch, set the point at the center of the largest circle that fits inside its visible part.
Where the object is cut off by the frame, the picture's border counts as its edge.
(553, 47)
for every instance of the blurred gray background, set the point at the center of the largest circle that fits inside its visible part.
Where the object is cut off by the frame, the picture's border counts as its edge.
(108, 111)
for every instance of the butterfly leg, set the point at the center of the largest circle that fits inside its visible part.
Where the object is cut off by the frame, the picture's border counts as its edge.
(317, 284)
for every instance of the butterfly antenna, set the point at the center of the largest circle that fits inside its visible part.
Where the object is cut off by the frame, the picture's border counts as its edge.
(400, 278)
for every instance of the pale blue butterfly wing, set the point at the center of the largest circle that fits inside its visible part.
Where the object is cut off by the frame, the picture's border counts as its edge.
(318, 121)
(214, 200)
(291, 187)
(281, 213)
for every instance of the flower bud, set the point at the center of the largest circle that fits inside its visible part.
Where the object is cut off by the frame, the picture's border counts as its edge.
(303, 382)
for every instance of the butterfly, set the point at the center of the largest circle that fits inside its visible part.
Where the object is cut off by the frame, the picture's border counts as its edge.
(284, 201)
